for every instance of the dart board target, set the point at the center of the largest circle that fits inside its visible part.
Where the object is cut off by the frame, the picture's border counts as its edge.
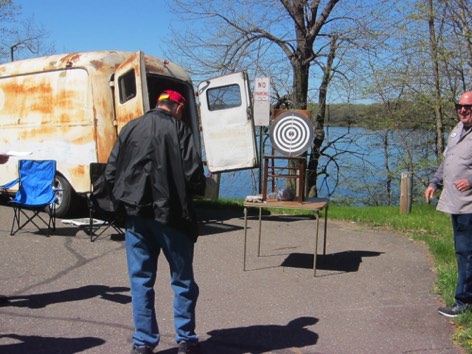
(291, 133)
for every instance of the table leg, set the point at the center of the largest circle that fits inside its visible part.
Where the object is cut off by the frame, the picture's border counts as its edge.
(245, 237)
(325, 228)
(260, 227)
(316, 242)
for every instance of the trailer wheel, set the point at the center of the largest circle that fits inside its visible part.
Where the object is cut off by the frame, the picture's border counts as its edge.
(65, 196)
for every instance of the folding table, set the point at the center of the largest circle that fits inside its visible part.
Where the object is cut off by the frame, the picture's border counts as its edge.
(317, 205)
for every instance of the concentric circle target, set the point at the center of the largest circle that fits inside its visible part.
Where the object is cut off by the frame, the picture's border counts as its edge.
(291, 133)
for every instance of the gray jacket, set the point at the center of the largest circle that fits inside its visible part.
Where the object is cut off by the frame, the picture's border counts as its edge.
(457, 164)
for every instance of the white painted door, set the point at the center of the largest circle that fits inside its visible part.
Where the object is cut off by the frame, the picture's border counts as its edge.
(227, 123)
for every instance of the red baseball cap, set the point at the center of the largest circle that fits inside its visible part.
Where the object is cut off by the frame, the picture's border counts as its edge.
(171, 95)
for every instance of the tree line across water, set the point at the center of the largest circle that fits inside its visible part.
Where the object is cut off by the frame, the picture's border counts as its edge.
(376, 116)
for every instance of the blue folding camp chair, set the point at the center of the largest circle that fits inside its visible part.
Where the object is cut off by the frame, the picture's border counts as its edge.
(35, 194)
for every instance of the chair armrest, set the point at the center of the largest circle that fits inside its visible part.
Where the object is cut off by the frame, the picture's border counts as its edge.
(10, 184)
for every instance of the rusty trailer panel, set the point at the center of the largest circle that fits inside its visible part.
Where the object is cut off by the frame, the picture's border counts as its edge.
(51, 115)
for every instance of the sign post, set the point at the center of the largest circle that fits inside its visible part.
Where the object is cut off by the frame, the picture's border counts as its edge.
(261, 114)
(262, 101)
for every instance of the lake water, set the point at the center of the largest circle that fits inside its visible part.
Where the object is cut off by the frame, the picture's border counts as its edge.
(356, 164)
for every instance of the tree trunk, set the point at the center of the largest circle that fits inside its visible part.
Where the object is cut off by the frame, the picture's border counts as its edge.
(464, 19)
(312, 167)
(300, 84)
(388, 181)
(438, 112)
(299, 98)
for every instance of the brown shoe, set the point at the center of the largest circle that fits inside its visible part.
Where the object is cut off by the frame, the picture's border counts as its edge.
(141, 350)
(189, 348)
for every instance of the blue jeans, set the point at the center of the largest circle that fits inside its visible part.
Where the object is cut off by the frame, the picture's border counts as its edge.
(462, 227)
(145, 238)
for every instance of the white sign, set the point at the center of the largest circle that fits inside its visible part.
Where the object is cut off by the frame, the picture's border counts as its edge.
(262, 101)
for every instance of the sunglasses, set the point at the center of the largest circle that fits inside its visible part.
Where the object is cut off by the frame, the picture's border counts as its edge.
(465, 106)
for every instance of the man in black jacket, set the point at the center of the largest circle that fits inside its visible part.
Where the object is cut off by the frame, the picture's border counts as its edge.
(155, 168)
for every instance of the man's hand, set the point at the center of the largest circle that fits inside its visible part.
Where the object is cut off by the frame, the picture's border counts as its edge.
(462, 185)
(429, 193)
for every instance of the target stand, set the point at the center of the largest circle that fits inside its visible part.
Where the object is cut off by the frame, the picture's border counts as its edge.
(291, 134)
(273, 170)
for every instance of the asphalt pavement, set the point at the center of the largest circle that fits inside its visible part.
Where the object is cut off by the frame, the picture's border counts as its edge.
(373, 293)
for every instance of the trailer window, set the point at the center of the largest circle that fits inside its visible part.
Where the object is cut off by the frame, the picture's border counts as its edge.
(224, 97)
(127, 86)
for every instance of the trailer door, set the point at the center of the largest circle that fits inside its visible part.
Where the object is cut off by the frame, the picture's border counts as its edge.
(227, 123)
(131, 92)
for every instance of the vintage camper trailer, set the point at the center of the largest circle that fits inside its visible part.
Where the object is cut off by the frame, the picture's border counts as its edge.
(71, 107)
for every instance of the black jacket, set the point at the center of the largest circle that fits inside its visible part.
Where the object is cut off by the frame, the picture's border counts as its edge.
(155, 168)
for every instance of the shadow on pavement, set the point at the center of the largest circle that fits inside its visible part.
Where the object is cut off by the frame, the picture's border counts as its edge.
(259, 339)
(35, 301)
(216, 227)
(45, 345)
(347, 261)
(211, 214)
(211, 221)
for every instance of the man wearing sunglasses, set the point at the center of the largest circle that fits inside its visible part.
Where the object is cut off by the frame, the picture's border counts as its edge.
(454, 176)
